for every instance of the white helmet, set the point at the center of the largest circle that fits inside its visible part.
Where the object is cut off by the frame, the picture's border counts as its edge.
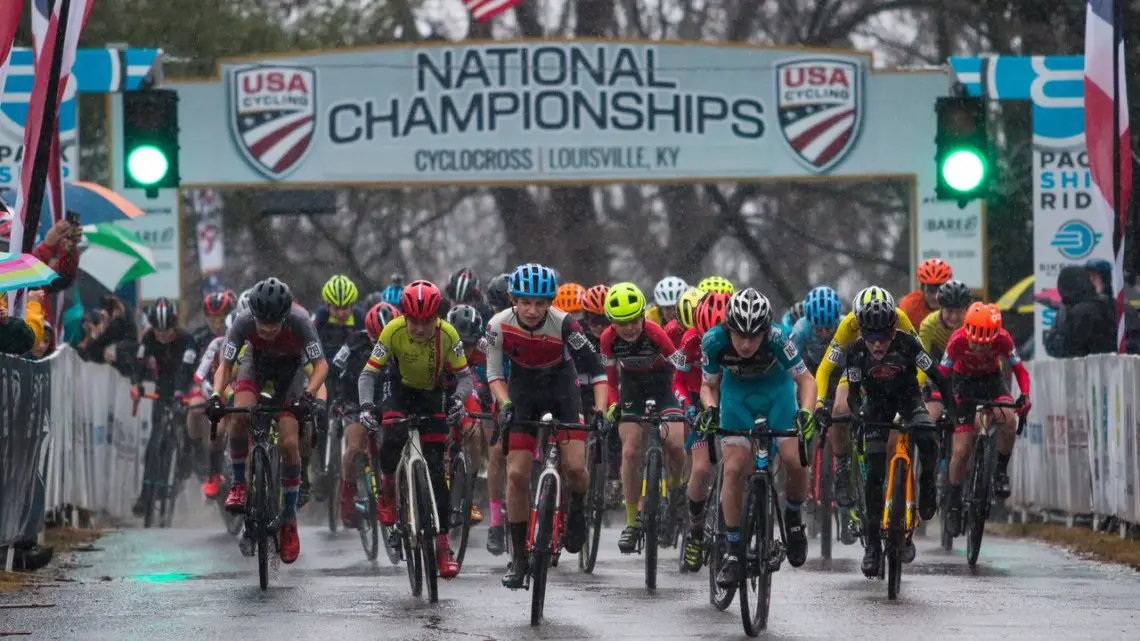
(749, 312)
(243, 302)
(874, 292)
(667, 292)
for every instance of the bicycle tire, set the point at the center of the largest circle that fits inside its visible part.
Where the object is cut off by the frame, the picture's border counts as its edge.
(757, 542)
(463, 487)
(651, 515)
(541, 551)
(427, 532)
(260, 502)
(170, 486)
(824, 512)
(979, 499)
(369, 524)
(595, 506)
(720, 597)
(411, 554)
(946, 542)
(896, 529)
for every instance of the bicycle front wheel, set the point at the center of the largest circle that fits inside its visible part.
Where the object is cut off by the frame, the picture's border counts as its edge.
(755, 575)
(595, 504)
(462, 496)
(896, 529)
(412, 559)
(259, 501)
(427, 532)
(651, 514)
(540, 557)
(366, 505)
(825, 517)
(717, 547)
(332, 475)
(981, 473)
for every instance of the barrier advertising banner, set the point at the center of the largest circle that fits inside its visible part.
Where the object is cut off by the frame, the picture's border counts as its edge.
(25, 410)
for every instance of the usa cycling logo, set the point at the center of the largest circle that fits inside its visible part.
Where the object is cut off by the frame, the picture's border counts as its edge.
(820, 106)
(1075, 239)
(273, 115)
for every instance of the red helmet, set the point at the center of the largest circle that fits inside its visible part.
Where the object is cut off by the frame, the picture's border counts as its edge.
(219, 303)
(710, 312)
(420, 300)
(379, 316)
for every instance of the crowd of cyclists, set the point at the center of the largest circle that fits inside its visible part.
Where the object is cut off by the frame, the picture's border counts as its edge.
(713, 357)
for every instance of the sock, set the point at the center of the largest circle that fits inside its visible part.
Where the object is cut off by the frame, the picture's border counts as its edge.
(1003, 462)
(237, 465)
(291, 482)
(518, 540)
(631, 514)
(305, 467)
(496, 512)
(674, 482)
(217, 461)
(793, 512)
(696, 510)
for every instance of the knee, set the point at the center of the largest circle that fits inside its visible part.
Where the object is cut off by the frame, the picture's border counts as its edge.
(518, 476)
(961, 447)
(630, 450)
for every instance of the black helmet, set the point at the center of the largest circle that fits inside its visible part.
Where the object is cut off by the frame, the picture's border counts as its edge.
(877, 316)
(463, 286)
(373, 299)
(468, 322)
(954, 294)
(163, 314)
(270, 300)
(499, 292)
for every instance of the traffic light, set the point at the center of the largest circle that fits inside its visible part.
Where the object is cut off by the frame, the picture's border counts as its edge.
(963, 154)
(150, 140)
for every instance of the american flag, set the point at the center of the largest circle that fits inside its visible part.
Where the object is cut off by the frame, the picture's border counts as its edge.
(483, 10)
(1107, 136)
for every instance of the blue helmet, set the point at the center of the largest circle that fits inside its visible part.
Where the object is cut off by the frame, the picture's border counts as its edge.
(822, 307)
(534, 281)
(391, 295)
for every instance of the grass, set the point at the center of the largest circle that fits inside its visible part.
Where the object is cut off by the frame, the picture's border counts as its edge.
(1109, 548)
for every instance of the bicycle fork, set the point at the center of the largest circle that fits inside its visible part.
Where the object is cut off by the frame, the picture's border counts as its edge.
(549, 471)
(902, 453)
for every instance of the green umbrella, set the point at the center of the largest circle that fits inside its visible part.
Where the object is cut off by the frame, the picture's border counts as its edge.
(113, 256)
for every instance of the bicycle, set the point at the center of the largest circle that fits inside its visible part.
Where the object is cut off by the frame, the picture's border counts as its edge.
(165, 477)
(716, 544)
(983, 464)
(821, 500)
(597, 464)
(847, 520)
(460, 474)
(263, 500)
(330, 452)
(654, 492)
(367, 494)
(760, 555)
(946, 450)
(417, 523)
(547, 514)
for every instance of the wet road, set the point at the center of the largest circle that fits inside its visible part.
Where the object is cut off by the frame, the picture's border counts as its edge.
(193, 583)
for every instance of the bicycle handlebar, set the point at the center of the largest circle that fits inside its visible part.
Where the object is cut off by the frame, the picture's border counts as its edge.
(557, 425)
(1000, 404)
(255, 410)
(759, 429)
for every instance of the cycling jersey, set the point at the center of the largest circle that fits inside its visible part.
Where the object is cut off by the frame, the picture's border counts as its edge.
(914, 306)
(893, 375)
(207, 364)
(675, 331)
(203, 337)
(651, 351)
(687, 381)
(349, 362)
(333, 333)
(420, 365)
(934, 334)
(845, 335)
(173, 362)
(294, 345)
(756, 385)
(810, 347)
(961, 359)
(653, 314)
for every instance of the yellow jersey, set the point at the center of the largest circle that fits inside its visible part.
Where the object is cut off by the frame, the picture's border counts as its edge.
(654, 315)
(934, 335)
(846, 334)
(421, 364)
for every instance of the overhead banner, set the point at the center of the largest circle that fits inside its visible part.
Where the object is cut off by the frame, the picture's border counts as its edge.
(518, 113)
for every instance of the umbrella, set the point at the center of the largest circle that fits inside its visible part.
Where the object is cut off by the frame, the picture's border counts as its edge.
(1018, 298)
(114, 256)
(97, 204)
(22, 271)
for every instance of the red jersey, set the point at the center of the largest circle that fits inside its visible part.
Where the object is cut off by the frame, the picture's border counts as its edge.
(687, 382)
(675, 332)
(959, 358)
(651, 351)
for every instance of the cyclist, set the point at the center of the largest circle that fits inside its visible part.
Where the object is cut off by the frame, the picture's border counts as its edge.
(973, 358)
(462, 289)
(425, 347)
(373, 299)
(882, 364)
(793, 315)
(539, 342)
(569, 299)
(498, 299)
(203, 378)
(687, 388)
(639, 359)
(175, 355)
(666, 294)
(717, 284)
(282, 340)
(498, 292)
(216, 306)
(594, 305)
(348, 363)
(391, 294)
(470, 326)
(932, 273)
(954, 297)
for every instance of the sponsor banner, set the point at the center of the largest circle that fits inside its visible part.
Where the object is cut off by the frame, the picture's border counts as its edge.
(25, 418)
(573, 112)
(207, 206)
(159, 230)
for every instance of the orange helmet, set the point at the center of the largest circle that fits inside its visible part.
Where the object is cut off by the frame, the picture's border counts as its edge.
(569, 297)
(594, 300)
(982, 322)
(934, 271)
(710, 312)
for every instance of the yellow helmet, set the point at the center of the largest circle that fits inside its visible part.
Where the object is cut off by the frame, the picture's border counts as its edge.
(339, 291)
(687, 307)
(716, 284)
(872, 293)
(625, 303)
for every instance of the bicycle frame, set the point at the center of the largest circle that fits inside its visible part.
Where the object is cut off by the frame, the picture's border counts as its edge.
(410, 457)
(653, 423)
(901, 453)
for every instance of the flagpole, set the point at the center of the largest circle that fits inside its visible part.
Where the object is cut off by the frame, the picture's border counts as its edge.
(1118, 232)
(37, 184)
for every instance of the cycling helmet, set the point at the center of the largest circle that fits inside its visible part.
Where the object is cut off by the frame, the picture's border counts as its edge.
(392, 294)
(378, 316)
(499, 292)
(877, 316)
(822, 307)
(594, 300)
(871, 293)
(954, 294)
(569, 297)
(243, 301)
(373, 299)
(463, 286)
(795, 312)
(710, 312)
(667, 292)
(934, 271)
(163, 314)
(339, 292)
(687, 307)
(982, 322)
(270, 300)
(421, 300)
(716, 284)
(219, 303)
(533, 281)
(624, 303)
(468, 323)
(748, 313)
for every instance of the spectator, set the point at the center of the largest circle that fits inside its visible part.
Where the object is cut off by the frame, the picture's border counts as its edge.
(60, 251)
(1086, 323)
(107, 329)
(16, 336)
(46, 345)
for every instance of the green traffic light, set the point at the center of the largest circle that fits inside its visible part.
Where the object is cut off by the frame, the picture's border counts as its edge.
(964, 170)
(147, 164)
